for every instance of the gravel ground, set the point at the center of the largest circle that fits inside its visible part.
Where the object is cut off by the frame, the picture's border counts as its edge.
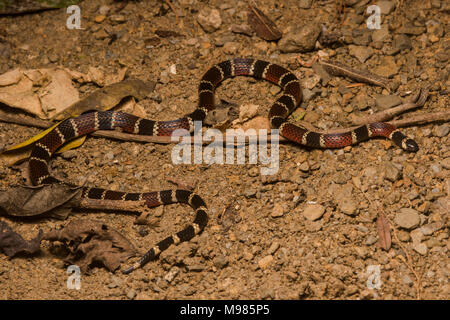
(308, 232)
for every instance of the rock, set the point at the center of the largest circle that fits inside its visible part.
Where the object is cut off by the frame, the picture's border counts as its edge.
(115, 282)
(220, 261)
(242, 29)
(435, 29)
(310, 82)
(408, 28)
(403, 236)
(387, 68)
(371, 239)
(420, 248)
(305, 4)
(307, 94)
(277, 211)
(99, 18)
(171, 274)
(361, 53)
(416, 235)
(389, 101)
(273, 248)
(304, 166)
(69, 154)
(441, 131)
(407, 280)
(131, 294)
(431, 228)
(104, 9)
(231, 48)
(401, 42)
(253, 172)
(362, 252)
(348, 206)
(248, 111)
(391, 172)
(386, 7)
(313, 211)
(250, 193)
(445, 163)
(118, 18)
(382, 34)
(209, 19)
(301, 39)
(407, 218)
(265, 262)
(361, 37)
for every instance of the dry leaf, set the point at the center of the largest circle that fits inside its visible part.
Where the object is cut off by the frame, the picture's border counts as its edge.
(12, 243)
(42, 92)
(384, 232)
(108, 97)
(55, 199)
(262, 25)
(91, 242)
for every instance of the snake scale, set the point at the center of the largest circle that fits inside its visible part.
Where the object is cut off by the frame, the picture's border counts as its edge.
(289, 99)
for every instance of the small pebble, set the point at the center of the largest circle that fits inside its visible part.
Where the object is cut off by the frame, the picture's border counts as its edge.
(273, 248)
(209, 19)
(313, 211)
(420, 248)
(220, 261)
(277, 211)
(131, 294)
(407, 280)
(265, 262)
(407, 218)
(348, 206)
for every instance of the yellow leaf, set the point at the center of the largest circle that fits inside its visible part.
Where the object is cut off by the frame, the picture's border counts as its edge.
(33, 139)
(22, 150)
(72, 144)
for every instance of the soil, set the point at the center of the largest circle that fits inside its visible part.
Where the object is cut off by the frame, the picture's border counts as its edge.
(308, 232)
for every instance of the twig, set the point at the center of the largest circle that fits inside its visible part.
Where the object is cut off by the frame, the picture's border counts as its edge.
(120, 205)
(408, 258)
(173, 9)
(408, 262)
(417, 101)
(338, 69)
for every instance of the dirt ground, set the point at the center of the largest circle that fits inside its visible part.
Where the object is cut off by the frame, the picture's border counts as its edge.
(308, 232)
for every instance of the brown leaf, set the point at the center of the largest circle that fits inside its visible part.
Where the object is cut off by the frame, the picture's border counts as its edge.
(12, 243)
(262, 25)
(91, 242)
(384, 232)
(108, 97)
(55, 199)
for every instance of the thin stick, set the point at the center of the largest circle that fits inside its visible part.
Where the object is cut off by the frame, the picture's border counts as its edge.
(408, 262)
(172, 8)
(120, 205)
(338, 69)
(417, 101)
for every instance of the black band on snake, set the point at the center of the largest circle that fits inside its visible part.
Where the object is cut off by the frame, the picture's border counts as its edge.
(108, 120)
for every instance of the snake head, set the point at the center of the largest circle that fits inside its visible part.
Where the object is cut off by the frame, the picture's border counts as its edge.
(410, 145)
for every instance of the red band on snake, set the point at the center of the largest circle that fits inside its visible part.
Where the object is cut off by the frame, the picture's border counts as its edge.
(108, 120)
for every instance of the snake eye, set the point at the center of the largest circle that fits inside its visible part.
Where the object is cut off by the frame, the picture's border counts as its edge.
(411, 145)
